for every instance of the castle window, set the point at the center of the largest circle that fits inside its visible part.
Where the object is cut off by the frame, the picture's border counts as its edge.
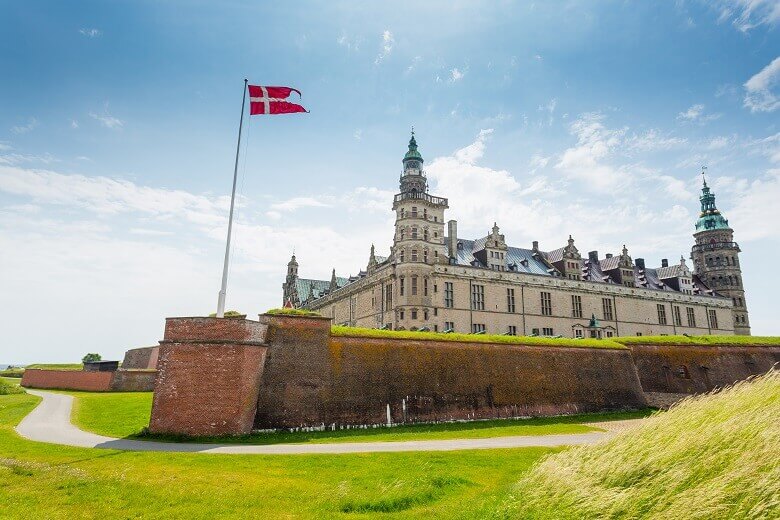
(414, 232)
(691, 316)
(477, 328)
(414, 314)
(389, 296)
(478, 297)
(577, 333)
(401, 285)
(449, 295)
(512, 330)
(414, 255)
(425, 314)
(576, 306)
(610, 333)
(401, 255)
(713, 318)
(403, 212)
(677, 316)
(403, 233)
(425, 235)
(435, 311)
(401, 314)
(425, 286)
(547, 331)
(414, 211)
(425, 213)
(546, 304)
(510, 300)
(414, 286)
(449, 326)
(661, 314)
(425, 256)
(606, 306)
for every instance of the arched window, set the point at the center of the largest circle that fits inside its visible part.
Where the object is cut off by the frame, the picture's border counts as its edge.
(425, 256)
(401, 255)
(425, 234)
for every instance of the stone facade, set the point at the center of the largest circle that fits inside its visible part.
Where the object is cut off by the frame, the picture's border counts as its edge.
(435, 280)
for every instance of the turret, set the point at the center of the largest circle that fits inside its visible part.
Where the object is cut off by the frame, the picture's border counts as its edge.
(716, 257)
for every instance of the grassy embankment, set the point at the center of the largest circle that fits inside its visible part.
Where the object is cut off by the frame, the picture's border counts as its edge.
(125, 414)
(47, 481)
(714, 456)
(747, 341)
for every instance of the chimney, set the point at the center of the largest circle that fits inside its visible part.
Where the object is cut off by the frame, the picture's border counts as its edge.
(609, 255)
(535, 246)
(664, 262)
(640, 263)
(452, 238)
(593, 256)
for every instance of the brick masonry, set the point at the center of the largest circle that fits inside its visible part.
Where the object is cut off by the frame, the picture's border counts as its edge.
(224, 376)
(141, 358)
(689, 369)
(67, 380)
(209, 376)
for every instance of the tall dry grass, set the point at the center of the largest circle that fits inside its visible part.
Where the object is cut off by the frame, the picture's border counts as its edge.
(710, 457)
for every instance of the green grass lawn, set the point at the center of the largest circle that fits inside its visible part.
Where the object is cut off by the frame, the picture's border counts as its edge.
(57, 366)
(55, 482)
(125, 414)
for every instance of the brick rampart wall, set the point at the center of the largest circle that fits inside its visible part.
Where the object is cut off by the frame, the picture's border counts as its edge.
(141, 358)
(209, 376)
(689, 369)
(133, 380)
(352, 380)
(67, 380)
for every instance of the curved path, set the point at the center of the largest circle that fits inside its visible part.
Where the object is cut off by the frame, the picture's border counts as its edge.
(50, 422)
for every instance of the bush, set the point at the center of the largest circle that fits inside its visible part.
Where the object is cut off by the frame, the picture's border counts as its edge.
(91, 358)
(753, 341)
(229, 314)
(8, 389)
(12, 372)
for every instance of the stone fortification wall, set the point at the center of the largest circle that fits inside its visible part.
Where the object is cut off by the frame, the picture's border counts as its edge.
(67, 380)
(311, 378)
(89, 381)
(689, 369)
(133, 380)
(141, 358)
(209, 376)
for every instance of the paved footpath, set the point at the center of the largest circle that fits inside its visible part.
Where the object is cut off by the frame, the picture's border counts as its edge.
(50, 422)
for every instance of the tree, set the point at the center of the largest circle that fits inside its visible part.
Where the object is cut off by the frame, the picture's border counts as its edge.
(91, 358)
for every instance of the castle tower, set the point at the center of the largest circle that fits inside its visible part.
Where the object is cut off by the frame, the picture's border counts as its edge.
(418, 242)
(716, 258)
(290, 286)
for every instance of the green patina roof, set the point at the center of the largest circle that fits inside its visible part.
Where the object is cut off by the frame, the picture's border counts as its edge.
(710, 218)
(413, 153)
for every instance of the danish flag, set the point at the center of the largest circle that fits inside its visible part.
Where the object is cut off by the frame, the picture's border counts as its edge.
(272, 100)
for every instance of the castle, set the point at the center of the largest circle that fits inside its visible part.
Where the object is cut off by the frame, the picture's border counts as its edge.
(441, 282)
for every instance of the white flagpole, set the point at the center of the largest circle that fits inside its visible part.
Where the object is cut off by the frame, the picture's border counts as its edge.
(223, 290)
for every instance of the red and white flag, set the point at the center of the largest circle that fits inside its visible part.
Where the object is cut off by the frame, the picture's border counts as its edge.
(272, 100)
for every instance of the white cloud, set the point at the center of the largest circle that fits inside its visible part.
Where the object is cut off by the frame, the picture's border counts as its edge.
(748, 14)
(752, 205)
(296, 203)
(23, 129)
(351, 43)
(696, 114)
(759, 94)
(414, 64)
(455, 75)
(74, 123)
(358, 134)
(107, 120)
(388, 42)
(654, 140)
(91, 33)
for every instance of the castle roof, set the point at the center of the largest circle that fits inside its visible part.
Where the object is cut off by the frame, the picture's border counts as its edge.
(308, 288)
(517, 259)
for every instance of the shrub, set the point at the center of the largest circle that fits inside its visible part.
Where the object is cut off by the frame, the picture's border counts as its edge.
(12, 372)
(755, 341)
(91, 358)
(8, 389)
(229, 314)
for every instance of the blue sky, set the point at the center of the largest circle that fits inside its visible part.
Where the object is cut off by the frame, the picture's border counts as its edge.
(118, 124)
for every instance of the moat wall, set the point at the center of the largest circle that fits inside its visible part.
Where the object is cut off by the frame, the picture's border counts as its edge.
(691, 369)
(227, 376)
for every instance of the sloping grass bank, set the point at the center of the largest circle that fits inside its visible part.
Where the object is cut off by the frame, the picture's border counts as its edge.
(747, 341)
(357, 332)
(710, 457)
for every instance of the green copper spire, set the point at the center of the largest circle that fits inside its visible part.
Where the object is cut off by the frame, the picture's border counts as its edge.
(412, 154)
(710, 217)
